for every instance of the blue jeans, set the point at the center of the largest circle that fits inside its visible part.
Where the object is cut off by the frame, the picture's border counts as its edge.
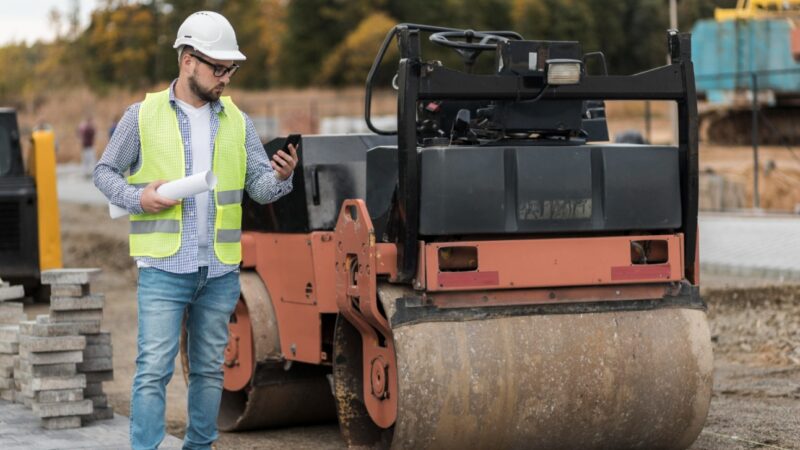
(163, 297)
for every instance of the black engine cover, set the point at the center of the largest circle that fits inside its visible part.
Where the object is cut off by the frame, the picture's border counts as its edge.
(548, 189)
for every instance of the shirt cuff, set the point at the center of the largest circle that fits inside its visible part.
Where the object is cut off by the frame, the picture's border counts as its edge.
(133, 200)
(283, 187)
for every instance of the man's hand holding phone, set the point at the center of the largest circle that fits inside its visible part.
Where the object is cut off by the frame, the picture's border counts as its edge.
(283, 162)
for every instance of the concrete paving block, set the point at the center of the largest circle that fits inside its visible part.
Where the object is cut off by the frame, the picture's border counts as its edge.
(27, 401)
(93, 389)
(60, 395)
(60, 409)
(69, 290)
(56, 383)
(88, 302)
(61, 423)
(88, 327)
(69, 276)
(43, 318)
(26, 327)
(9, 333)
(13, 320)
(98, 414)
(10, 363)
(74, 356)
(8, 360)
(99, 401)
(19, 397)
(52, 344)
(46, 329)
(94, 377)
(11, 292)
(7, 372)
(47, 370)
(86, 315)
(95, 365)
(8, 395)
(11, 307)
(6, 383)
(97, 351)
(11, 313)
(9, 348)
(104, 337)
(24, 388)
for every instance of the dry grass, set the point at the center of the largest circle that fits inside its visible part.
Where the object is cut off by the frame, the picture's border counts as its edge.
(301, 110)
(296, 110)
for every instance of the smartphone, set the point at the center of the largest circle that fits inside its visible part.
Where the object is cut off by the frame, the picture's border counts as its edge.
(293, 139)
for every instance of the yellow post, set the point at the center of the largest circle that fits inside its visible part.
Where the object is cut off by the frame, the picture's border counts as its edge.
(42, 168)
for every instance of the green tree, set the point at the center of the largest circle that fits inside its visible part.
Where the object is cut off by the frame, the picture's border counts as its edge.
(18, 61)
(119, 47)
(351, 60)
(273, 28)
(314, 28)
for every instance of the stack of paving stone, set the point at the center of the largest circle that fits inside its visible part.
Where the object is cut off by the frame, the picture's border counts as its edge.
(97, 367)
(9, 292)
(73, 302)
(11, 314)
(47, 374)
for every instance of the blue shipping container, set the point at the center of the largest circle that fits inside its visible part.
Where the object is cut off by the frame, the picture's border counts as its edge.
(725, 53)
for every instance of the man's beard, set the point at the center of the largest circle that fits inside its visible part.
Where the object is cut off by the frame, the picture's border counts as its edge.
(208, 95)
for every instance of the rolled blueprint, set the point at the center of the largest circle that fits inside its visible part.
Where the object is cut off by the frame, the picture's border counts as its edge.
(176, 190)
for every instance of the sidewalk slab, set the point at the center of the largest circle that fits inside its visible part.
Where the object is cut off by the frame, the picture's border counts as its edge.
(751, 246)
(20, 429)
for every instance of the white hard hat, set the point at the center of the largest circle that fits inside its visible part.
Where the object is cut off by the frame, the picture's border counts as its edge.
(211, 34)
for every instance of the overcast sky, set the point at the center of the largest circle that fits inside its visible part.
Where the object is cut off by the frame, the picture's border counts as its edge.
(28, 19)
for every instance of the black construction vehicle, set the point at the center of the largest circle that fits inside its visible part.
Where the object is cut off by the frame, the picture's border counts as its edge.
(484, 276)
(30, 238)
(19, 244)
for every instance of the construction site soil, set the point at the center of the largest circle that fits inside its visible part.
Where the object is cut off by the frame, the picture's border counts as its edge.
(755, 330)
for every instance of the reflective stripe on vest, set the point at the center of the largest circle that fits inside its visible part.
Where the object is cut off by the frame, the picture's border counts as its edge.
(155, 226)
(230, 197)
(227, 236)
(158, 235)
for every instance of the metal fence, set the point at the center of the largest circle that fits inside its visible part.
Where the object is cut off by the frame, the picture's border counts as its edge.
(751, 82)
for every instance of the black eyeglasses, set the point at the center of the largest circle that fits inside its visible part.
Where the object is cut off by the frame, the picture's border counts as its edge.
(219, 70)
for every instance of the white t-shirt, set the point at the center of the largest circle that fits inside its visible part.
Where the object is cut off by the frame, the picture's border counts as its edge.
(200, 138)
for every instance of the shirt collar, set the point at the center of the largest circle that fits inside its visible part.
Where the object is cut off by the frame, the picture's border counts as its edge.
(216, 106)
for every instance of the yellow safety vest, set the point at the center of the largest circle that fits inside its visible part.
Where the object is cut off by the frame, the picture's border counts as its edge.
(158, 235)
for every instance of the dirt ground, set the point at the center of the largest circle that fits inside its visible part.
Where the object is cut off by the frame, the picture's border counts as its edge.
(755, 330)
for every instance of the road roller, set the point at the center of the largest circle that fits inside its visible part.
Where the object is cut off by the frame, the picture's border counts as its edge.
(492, 273)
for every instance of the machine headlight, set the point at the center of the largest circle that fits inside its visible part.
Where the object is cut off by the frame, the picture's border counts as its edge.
(563, 71)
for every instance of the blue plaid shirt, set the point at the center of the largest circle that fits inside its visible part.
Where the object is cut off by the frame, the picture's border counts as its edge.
(123, 153)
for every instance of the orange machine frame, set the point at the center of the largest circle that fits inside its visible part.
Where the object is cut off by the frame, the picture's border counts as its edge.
(298, 270)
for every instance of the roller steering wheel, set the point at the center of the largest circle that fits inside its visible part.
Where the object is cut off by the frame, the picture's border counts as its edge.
(466, 45)
(488, 39)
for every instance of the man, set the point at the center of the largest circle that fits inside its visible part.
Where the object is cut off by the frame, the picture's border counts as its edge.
(188, 251)
(86, 132)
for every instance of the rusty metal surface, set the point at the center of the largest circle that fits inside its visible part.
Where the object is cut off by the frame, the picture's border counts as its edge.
(239, 358)
(286, 264)
(273, 396)
(552, 262)
(629, 379)
(304, 400)
(579, 294)
(266, 341)
(323, 252)
(357, 300)
(356, 426)
(249, 250)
